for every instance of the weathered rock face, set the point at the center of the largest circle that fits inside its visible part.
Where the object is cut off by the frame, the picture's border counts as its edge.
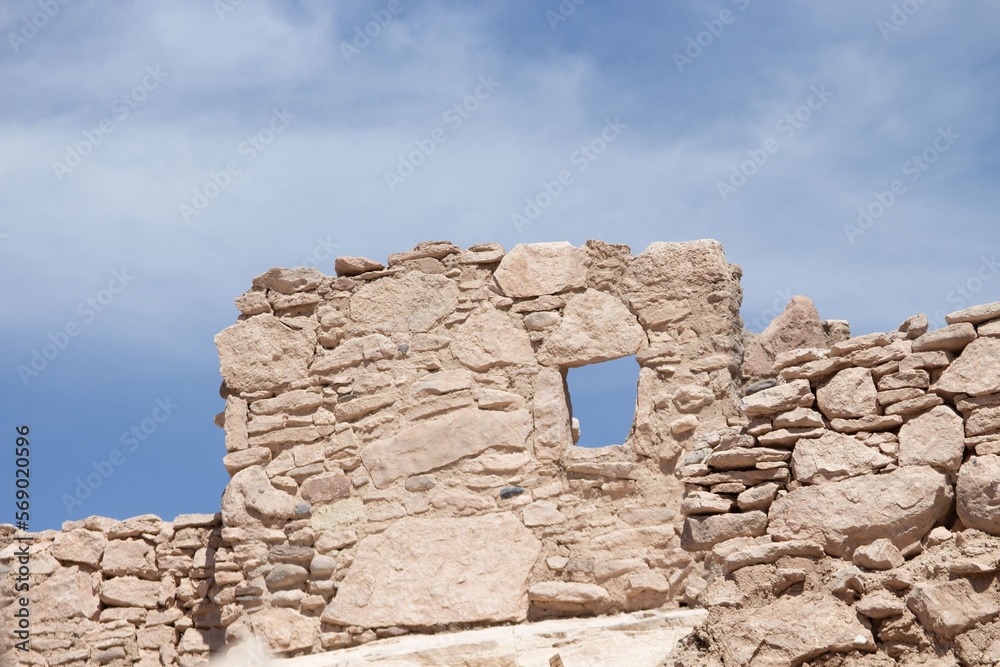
(261, 353)
(791, 630)
(425, 571)
(466, 432)
(901, 506)
(978, 493)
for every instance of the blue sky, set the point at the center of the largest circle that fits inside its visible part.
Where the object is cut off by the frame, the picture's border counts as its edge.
(764, 125)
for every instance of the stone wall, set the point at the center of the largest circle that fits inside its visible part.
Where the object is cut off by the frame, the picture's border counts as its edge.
(106, 592)
(881, 451)
(401, 445)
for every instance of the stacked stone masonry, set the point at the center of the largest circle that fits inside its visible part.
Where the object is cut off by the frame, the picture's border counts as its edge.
(401, 449)
(859, 492)
(401, 445)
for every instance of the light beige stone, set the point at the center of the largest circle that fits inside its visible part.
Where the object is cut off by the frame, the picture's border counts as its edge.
(781, 398)
(947, 608)
(567, 592)
(793, 629)
(881, 554)
(299, 400)
(250, 495)
(798, 418)
(552, 428)
(703, 532)
(975, 314)
(542, 513)
(79, 546)
(130, 592)
(442, 382)
(68, 593)
(936, 438)
(336, 515)
(833, 457)
(463, 433)
(414, 303)
(595, 327)
(768, 553)
(702, 502)
(130, 557)
(976, 372)
(797, 326)
(744, 457)
(902, 505)
(757, 497)
(536, 269)
(982, 421)
(261, 353)
(952, 338)
(978, 493)
(352, 266)
(289, 281)
(281, 631)
(489, 338)
(849, 394)
(880, 604)
(352, 352)
(444, 570)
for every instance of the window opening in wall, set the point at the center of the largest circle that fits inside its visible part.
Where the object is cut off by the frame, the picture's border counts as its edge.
(602, 399)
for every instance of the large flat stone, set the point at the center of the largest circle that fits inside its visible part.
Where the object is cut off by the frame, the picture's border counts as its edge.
(791, 630)
(935, 438)
(833, 457)
(704, 532)
(976, 372)
(595, 327)
(430, 444)
(416, 302)
(261, 353)
(426, 571)
(535, 269)
(849, 394)
(781, 398)
(902, 506)
(489, 338)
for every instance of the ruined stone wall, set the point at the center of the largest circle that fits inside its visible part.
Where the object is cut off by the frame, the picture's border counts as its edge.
(401, 445)
(401, 439)
(106, 592)
(861, 493)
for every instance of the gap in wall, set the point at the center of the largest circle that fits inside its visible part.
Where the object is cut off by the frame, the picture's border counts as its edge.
(602, 398)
